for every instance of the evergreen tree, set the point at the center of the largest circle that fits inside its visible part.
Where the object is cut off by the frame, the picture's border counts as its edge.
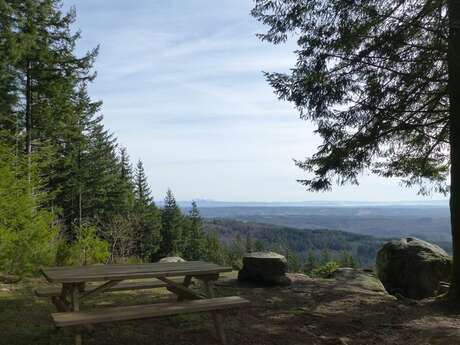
(103, 193)
(149, 216)
(151, 234)
(347, 260)
(381, 80)
(127, 179)
(48, 117)
(258, 246)
(236, 252)
(214, 251)
(194, 238)
(325, 257)
(46, 99)
(171, 227)
(249, 243)
(142, 190)
(311, 262)
(293, 262)
(27, 230)
(9, 85)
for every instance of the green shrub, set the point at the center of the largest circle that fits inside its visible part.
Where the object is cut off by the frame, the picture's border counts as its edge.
(88, 248)
(326, 271)
(27, 234)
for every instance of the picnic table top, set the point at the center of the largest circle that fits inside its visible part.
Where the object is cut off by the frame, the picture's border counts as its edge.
(95, 273)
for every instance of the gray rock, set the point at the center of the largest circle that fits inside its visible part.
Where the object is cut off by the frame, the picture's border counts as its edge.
(172, 259)
(357, 278)
(413, 268)
(264, 267)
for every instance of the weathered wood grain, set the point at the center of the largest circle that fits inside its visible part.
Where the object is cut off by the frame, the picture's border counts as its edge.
(68, 319)
(142, 285)
(124, 272)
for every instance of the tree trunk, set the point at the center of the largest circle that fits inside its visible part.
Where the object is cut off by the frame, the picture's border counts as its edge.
(29, 117)
(454, 115)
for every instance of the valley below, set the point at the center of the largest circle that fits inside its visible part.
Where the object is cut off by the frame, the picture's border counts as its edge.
(358, 229)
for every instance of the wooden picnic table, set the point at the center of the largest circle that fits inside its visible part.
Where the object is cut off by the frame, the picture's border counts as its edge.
(82, 282)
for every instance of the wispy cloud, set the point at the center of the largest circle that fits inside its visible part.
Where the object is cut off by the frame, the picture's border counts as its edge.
(183, 89)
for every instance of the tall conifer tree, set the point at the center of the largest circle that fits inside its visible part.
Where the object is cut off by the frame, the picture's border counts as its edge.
(193, 235)
(171, 230)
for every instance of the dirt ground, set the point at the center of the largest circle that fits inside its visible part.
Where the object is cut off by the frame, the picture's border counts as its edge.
(310, 311)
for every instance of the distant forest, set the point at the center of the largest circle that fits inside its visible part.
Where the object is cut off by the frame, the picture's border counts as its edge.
(428, 222)
(319, 245)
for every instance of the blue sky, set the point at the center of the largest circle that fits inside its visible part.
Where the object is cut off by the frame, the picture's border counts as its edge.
(183, 90)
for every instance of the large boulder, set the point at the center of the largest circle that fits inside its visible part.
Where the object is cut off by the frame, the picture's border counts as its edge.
(265, 268)
(172, 259)
(412, 267)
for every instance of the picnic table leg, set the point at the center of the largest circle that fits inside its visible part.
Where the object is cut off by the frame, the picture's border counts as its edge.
(186, 283)
(217, 317)
(75, 291)
(60, 302)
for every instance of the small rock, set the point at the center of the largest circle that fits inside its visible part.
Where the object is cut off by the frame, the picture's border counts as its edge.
(172, 259)
(264, 267)
(360, 278)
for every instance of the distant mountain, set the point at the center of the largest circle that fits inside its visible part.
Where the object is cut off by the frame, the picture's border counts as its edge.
(343, 203)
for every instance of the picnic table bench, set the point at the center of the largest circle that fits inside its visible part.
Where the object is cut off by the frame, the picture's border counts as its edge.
(79, 283)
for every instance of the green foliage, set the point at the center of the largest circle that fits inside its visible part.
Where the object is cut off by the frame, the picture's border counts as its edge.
(171, 227)
(27, 233)
(325, 257)
(193, 235)
(214, 252)
(347, 260)
(142, 190)
(294, 263)
(372, 75)
(88, 248)
(326, 271)
(151, 233)
(307, 244)
(310, 263)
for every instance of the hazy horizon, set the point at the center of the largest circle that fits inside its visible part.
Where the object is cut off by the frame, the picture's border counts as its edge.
(338, 203)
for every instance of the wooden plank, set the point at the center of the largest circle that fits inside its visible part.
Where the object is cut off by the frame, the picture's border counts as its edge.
(126, 269)
(144, 285)
(146, 311)
(149, 266)
(75, 294)
(217, 317)
(59, 303)
(186, 283)
(100, 288)
(123, 272)
(180, 290)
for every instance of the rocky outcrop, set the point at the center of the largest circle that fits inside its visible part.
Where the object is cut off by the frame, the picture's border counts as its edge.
(172, 259)
(264, 268)
(356, 278)
(412, 268)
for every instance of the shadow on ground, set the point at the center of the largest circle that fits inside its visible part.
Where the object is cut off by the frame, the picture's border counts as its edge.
(310, 311)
